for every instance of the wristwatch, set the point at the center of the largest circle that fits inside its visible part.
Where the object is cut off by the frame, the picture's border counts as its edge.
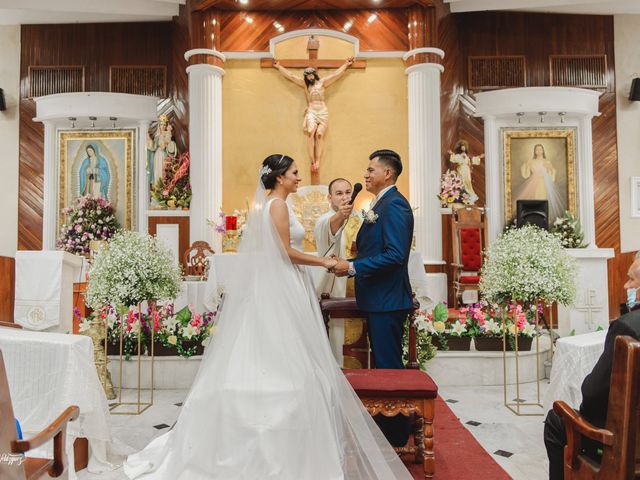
(352, 270)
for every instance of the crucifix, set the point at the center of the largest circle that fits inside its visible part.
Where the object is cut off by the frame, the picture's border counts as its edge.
(316, 115)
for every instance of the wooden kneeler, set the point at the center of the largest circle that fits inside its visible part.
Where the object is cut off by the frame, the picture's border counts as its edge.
(394, 392)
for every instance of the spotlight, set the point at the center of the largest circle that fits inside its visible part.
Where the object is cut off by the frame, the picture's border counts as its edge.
(73, 121)
(347, 26)
(542, 114)
(520, 115)
(248, 19)
(113, 119)
(372, 18)
(93, 121)
(562, 114)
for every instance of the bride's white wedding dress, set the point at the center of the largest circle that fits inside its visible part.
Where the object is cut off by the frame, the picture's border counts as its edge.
(269, 400)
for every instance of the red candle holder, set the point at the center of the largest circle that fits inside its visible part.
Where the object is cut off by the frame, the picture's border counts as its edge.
(231, 222)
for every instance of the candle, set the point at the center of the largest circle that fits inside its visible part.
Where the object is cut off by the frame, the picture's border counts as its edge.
(231, 222)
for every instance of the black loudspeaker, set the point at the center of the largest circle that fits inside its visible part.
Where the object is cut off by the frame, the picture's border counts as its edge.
(634, 94)
(3, 105)
(533, 212)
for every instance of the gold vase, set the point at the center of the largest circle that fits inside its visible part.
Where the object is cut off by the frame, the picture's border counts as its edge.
(230, 241)
(98, 334)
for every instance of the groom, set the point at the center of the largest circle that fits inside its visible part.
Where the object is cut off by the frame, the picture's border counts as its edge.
(381, 273)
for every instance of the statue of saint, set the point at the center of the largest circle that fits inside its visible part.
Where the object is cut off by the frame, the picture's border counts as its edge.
(316, 115)
(460, 156)
(159, 147)
(94, 174)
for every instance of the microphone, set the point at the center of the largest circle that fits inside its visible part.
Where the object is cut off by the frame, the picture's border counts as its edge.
(356, 190)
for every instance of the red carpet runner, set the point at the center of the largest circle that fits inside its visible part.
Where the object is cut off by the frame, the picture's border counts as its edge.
(459, 456)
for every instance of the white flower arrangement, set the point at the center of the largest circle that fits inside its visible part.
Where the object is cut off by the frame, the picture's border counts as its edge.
(528, 264)
(134, 267)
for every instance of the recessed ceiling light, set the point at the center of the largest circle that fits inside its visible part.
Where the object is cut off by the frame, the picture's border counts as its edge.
(372, 18)
(248, 19)
(347, 26)
(244, 2)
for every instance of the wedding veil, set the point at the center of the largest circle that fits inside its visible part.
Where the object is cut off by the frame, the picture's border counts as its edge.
(269, 401)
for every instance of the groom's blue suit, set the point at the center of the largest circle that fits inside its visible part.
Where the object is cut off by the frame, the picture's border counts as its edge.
(383, 290)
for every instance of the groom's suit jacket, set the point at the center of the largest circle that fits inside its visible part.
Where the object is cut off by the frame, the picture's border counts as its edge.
(382, 276)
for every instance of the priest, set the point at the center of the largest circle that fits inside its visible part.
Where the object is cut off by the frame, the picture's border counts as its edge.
(335, 233)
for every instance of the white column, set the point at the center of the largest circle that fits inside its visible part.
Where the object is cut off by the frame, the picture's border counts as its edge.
(425, 158)
(50, 204)
(493, 179)
(205, 145)
(586, 205)
(143, 178)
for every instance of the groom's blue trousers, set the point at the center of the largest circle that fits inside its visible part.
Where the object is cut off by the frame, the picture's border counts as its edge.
(385, 335)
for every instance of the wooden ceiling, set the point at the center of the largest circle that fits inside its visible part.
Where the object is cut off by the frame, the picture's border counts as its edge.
(283, 5)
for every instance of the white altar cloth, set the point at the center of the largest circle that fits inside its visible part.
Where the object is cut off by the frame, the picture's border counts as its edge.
(573, 360)
(47, 373)
(44, 289)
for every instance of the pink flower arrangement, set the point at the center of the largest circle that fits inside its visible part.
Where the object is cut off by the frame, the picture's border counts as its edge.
(452, 190)
(92, 218)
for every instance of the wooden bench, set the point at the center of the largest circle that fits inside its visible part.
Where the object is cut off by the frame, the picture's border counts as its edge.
(621, 435)
(394, 392)
(30, 468)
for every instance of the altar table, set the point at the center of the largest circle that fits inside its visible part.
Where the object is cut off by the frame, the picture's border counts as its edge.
(47, 372)
(573, 360)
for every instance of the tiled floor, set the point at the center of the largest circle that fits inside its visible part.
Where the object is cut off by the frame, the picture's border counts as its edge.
(514, 442)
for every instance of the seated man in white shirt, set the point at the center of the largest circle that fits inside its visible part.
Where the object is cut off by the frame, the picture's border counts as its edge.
(335, 232)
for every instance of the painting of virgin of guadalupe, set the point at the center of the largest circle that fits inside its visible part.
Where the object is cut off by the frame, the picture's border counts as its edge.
(540, 165)
(94, 174)
(98, 163)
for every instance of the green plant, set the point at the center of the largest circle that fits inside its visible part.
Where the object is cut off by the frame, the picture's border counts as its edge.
(424, 349)
(569, 230)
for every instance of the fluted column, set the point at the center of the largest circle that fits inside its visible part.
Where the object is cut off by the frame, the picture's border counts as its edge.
(49, 204)
(205, 145)
(143, 177)
(425, 154)
(586, 204)
(493, 176)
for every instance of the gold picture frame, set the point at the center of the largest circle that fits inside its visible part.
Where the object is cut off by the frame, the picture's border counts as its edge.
(114, 151)
(540, 163)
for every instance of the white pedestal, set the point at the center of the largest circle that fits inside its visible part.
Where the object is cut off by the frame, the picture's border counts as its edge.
(486, 368)
(44, 289)
(591, 307)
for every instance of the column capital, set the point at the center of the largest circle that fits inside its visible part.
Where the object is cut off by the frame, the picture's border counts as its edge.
(204, 56)
(205, 68)
(424, 66)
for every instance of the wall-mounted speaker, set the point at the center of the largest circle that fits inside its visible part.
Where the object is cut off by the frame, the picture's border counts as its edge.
(3, 104)
(533, 212)
(634, 94)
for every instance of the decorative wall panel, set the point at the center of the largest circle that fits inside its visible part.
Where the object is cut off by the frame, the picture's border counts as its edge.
(47, 80)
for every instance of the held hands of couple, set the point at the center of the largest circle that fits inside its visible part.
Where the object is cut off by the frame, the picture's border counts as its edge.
(341, 267)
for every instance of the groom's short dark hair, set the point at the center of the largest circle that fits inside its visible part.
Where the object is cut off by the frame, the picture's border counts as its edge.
(390, 159)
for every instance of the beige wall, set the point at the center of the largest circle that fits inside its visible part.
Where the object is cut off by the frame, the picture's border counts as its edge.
(627, 52)
(262, 114)
(9, 82)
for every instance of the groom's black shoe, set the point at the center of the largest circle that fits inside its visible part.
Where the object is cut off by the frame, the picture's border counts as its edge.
(396, 429)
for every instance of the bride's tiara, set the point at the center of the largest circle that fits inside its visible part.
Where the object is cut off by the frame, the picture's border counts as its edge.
(265, 170)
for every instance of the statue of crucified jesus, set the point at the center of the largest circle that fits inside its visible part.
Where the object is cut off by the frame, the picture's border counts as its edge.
(316, 116)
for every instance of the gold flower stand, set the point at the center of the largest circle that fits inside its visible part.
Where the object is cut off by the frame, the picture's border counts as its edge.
(516, 405)
(138, 406)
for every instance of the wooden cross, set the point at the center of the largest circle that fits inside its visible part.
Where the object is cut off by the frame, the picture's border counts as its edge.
(313, 45)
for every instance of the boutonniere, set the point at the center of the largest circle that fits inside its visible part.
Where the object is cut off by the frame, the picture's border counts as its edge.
(369, 216)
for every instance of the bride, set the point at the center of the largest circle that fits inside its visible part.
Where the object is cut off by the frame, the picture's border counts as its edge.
(269, 401)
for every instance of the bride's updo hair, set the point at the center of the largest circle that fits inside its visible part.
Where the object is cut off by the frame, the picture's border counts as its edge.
(278, 164)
